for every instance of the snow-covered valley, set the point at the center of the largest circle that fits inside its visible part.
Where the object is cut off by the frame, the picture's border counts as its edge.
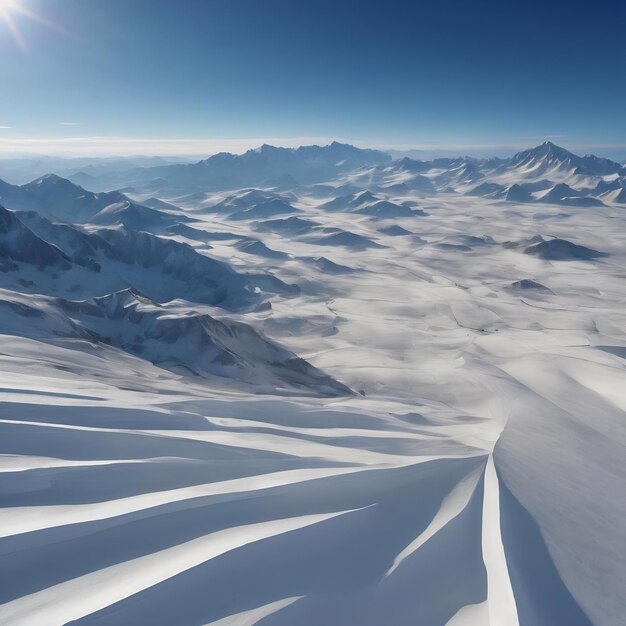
(317, 387)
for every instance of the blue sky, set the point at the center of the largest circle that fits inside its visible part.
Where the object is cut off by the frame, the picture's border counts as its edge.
(193, 75)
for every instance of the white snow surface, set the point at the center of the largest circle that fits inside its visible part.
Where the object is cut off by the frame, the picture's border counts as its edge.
(451, 451)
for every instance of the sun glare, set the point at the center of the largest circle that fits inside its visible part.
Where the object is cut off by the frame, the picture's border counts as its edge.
(9, 9)
(6, 9)
(7, 4)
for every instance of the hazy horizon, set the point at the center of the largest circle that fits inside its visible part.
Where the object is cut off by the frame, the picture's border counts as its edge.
(485, 78)
(128, 148)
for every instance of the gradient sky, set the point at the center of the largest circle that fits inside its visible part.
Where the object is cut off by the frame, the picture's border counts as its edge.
(190, 74)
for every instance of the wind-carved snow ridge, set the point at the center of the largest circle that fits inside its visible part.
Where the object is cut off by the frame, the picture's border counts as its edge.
(500, 596)
(315, 386)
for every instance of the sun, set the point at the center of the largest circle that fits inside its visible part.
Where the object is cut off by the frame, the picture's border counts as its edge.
(8, 5)
(6, 9)
(9, 9)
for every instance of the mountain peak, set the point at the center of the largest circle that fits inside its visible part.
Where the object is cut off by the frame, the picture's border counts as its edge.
(267, 149)
(545, 159)
(549, 148)
(53, 179)
(49, 182)
(337, 145)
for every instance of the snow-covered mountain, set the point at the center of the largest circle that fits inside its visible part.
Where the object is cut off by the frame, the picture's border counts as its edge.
(265, 166)
(551, 161)
(516, 179)
(400, 176)
(19, 244)
(253, 204)
(97, 262)
(549, 164)
(137, 217)
(617, 196)
(331, 236)
(58, 198)
(177, 338)
(293, 225)
(313, 387)
(347, 168)
(366, 203)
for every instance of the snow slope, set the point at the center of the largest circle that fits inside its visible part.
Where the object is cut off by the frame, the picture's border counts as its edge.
(167, 459)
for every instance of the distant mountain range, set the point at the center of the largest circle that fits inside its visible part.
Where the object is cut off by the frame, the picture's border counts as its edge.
(524, 177)
(91, 261)
(266, 166)
(546, 173)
